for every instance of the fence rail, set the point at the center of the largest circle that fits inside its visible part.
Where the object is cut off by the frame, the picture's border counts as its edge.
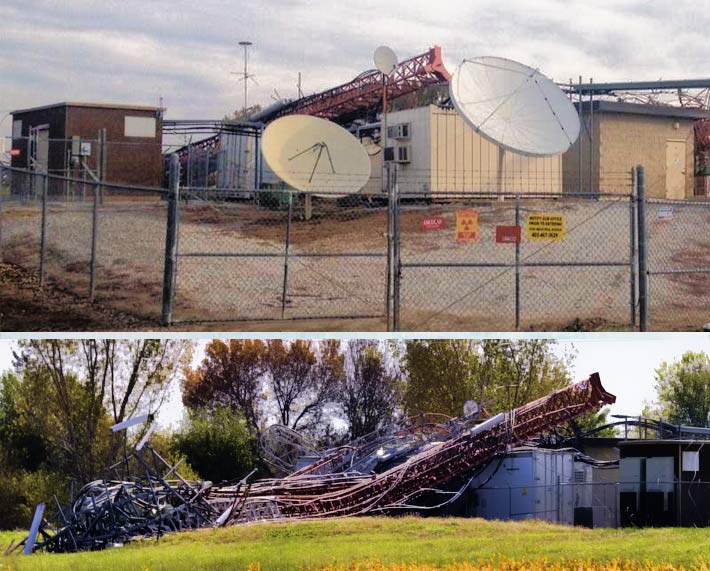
(486, 260)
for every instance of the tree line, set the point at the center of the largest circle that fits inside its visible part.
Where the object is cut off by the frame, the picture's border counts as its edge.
(61, 397)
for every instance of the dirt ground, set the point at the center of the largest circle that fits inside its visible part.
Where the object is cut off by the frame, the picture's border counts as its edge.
(27, 307)
(231, 271)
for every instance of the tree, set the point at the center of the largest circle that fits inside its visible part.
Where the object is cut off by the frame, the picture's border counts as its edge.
(683, 390)
(94, 383)
(304, 377)
(500, 375)
(440, 376)
(217, 444)
(369, 392)
(230, 375)
(526, 370)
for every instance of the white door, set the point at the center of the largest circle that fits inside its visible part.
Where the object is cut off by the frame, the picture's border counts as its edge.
(675, 170)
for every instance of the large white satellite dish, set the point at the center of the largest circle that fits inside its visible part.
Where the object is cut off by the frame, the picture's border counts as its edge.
(514, 106)
(385, 60)
(315, 155)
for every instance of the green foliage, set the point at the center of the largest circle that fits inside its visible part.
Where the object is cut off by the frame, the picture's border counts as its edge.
(217, 444)
(683, 390)
(500, 375)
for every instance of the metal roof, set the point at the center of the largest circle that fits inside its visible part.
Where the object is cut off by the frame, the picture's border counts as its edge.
(603, 106)
(88, 105)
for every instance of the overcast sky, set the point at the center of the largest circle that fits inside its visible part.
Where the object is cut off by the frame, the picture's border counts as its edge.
(133, 51)
(625, 363)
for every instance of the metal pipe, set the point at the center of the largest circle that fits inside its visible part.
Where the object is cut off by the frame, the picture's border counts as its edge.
(643, 254)
(171, 239)
(632, 249)
(286, 248)
(517, 266)
(579, 141)
(43, 232)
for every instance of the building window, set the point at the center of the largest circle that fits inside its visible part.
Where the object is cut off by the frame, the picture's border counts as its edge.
(17, 129)
(389, 153)
(139, 127)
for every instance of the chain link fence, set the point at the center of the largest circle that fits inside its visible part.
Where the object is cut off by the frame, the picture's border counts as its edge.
(102, 241)
(678, 264)
(490, 260)
(502, 261)
(596, 504)
(274, 255)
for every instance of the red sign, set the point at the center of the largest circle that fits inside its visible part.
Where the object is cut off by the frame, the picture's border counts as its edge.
(15, 152)
(433, 223)
(508, 234)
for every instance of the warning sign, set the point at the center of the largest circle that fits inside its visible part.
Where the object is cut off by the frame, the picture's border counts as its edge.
(546, 227)
(433, 223)
(508, 234)
(466, 225)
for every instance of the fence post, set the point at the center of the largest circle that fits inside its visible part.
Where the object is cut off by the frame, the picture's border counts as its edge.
(643, 254)
(43, 232)
(94, 241)
(632, 247)
(388, 271)
(286, 248)
(397, 266)
(171, 235)
(1, 190)
(517, 265)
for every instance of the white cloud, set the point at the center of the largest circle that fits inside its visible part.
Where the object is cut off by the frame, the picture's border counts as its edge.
(135, 51)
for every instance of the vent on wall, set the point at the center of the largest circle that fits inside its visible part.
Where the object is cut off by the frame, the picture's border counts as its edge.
(403, 153)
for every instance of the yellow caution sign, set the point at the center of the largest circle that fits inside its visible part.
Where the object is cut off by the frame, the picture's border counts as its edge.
(467, 225)
(545, 227)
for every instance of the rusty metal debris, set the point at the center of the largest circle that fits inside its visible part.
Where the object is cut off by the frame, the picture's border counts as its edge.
(394, 469)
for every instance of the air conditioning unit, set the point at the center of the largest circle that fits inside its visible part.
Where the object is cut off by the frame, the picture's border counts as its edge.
(403, 154)
(399, 131)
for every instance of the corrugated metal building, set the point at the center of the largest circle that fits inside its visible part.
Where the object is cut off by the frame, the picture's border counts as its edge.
(44, 134)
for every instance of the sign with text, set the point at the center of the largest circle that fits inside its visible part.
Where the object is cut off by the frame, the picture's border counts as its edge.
(665, 213)
(545, 227)
(433, 223)
(466, 225)
(508, 234)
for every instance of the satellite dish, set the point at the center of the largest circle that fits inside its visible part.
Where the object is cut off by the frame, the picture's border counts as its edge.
(315, 155)
(385, 60)
(514, 106)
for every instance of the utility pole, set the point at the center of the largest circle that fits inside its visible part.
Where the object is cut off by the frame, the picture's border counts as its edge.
(245, 45)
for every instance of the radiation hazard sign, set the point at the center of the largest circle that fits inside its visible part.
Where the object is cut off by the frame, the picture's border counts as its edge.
(545, 227)
(466, 225)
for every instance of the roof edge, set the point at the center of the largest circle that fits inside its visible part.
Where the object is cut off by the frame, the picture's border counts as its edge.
(87, 105)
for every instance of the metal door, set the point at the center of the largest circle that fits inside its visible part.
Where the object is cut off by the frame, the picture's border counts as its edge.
(675, 170)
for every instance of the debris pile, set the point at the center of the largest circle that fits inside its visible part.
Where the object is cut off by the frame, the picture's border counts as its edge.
(401, 467)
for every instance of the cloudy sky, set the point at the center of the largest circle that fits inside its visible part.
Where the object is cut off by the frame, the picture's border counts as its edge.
(135, 51)
(625, 363)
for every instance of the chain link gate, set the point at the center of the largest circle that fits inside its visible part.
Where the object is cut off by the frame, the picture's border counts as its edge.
(279, 255)
(501, 277)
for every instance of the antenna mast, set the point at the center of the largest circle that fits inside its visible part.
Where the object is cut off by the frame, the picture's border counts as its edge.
(245, 45)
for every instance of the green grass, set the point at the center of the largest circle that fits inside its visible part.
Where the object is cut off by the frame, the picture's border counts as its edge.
(390, 540)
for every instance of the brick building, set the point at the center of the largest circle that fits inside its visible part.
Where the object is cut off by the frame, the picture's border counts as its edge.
(623, 135)
(44, 137)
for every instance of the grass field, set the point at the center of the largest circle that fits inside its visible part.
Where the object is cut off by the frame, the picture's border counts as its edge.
(340, 544)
